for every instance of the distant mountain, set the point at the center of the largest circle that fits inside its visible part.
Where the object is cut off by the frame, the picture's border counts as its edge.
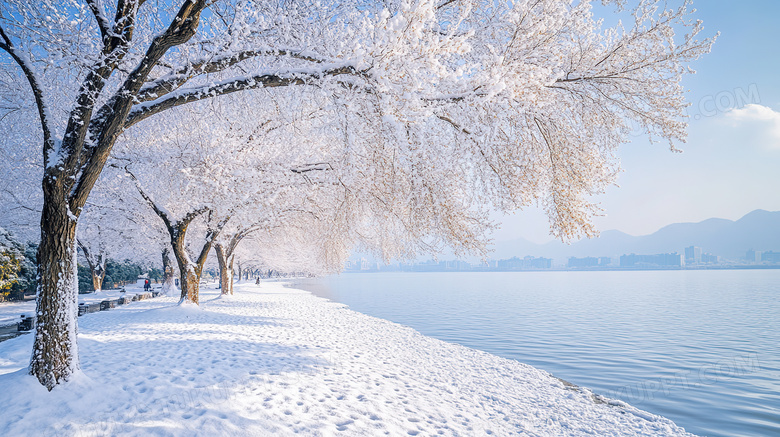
(759, 230)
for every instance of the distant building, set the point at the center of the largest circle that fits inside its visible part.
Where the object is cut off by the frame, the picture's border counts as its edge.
(457, 265)
(657, 260)
(693, 254)
(770, 257)
(513, 263)
(537, 263)
(527, 263)
(708, 258)
(753, 256)
(605, 261)
(583, 262)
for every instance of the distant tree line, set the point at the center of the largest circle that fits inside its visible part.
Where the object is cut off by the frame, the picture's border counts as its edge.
(18, 267)
(118, 274)
(18, 270)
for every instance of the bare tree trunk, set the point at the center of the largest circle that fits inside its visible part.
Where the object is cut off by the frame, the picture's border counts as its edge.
(190, 284)
(225, 269)
(97, 266)
(230, 269)
(188, 270)
(168, 275)
(97, 281)
(55, 348)
(98, 269)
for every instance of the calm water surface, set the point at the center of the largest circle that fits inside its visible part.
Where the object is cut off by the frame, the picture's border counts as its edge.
(699, 347)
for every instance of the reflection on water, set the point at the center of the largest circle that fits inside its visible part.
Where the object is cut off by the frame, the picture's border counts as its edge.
(699, 347)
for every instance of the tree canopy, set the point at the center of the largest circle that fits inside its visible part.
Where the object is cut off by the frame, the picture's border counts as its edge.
(410, 120)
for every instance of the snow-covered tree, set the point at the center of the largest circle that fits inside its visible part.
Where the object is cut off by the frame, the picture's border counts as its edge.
(10, 261)
(299, 238)
(443, 106)
(106, 230)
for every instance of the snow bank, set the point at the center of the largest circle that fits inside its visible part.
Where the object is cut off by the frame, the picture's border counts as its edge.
(272, 360)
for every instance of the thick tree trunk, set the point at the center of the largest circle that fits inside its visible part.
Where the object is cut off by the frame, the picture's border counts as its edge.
(168, 276)
(98, 269)
(97, 279)
(190, 271)
(55, 349)
(225, 262)
(190, 284)
(189, 275)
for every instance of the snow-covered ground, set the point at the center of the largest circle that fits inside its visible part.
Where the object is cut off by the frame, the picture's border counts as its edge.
(277, 361)
(10, 312)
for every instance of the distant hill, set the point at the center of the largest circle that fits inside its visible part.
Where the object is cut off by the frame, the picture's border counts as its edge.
(759, 230)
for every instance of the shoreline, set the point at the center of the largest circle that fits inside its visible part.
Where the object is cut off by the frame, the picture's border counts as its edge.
(273, 359)
(581, 269)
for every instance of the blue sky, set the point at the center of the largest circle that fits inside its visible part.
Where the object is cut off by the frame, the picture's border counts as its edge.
(731, 162)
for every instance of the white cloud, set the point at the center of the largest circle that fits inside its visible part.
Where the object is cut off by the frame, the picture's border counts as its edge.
(764, 119)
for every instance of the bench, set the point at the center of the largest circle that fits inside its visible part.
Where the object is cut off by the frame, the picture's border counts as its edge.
(26, 323)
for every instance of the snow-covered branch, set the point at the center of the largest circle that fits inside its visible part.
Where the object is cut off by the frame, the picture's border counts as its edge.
(43, 111)
(213, 64)
(145, 110)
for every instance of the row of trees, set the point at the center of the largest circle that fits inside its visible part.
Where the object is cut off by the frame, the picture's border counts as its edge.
(117, 273)
(18, 270)
(310, 128)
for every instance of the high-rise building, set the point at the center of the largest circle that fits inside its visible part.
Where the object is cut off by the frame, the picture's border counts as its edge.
(753, 256)
(693, 254)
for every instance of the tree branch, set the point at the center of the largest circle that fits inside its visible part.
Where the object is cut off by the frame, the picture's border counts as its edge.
(264, 80)
(175, 230)
(320, 166)
(74, 150)
(172, 81)
(211, 237)
(453, 124)
(101, 19)
(446, 3)
(84, 249)
(43, 112)
(110, 119)
(157, 210)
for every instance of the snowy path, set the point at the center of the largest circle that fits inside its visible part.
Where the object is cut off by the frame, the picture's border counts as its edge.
(278, 361)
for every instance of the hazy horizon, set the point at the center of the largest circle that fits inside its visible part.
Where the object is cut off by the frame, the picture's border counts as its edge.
(551, 239)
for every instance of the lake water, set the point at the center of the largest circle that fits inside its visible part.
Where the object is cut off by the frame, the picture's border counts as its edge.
(699, 347)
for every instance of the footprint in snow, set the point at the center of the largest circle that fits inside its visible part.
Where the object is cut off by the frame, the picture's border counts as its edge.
(342, 426)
